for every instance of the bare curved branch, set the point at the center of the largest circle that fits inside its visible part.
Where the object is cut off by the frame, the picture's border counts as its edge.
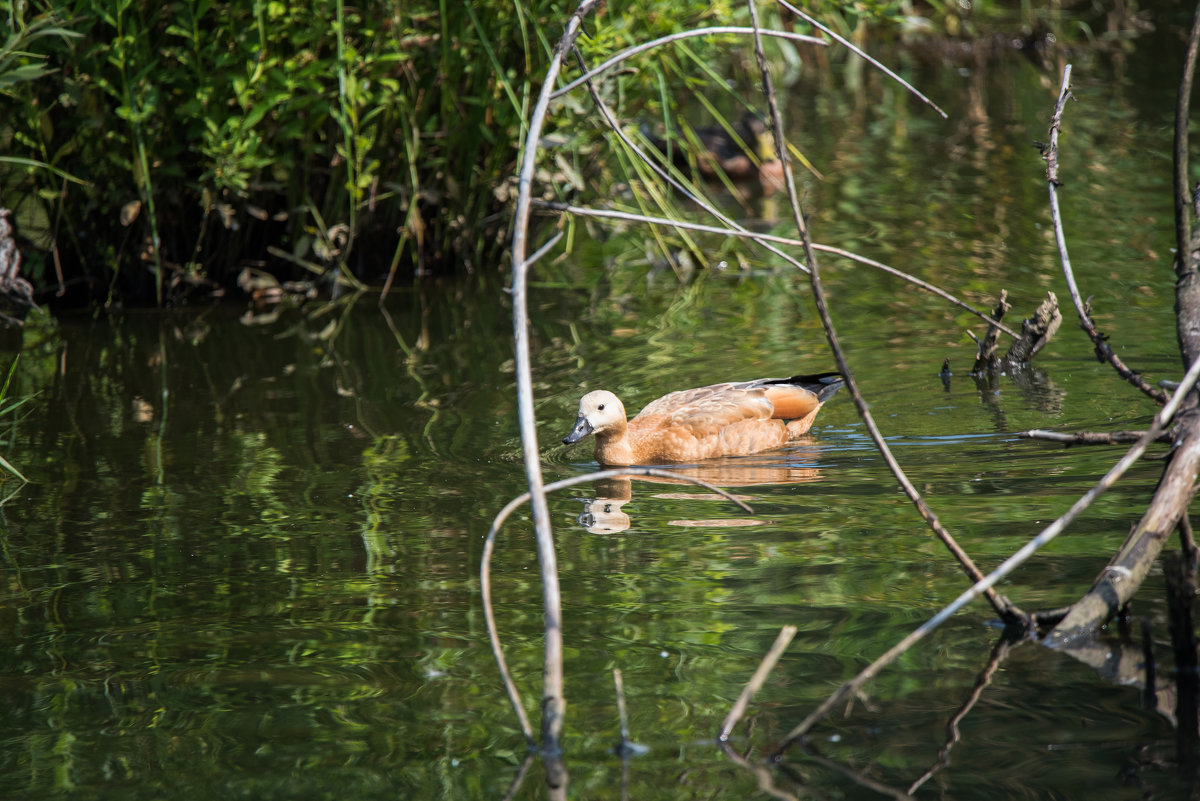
(489, 546)
(1104, 351)
(674, 37)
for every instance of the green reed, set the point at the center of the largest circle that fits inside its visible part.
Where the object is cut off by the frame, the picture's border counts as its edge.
(372, 140)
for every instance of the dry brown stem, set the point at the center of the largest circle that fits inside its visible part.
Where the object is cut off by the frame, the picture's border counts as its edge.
(1104, 351)
(553, 699)
(1091, 437)
(1005, 608)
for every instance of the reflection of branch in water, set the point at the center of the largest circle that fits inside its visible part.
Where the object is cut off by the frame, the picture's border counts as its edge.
(1179, 571)
(952, 734)
(410, 361)
(485, 570)
(1041, 393)
(756, 681)
(766, 782)
(519, 779)
(854, 775)
(1122, 664)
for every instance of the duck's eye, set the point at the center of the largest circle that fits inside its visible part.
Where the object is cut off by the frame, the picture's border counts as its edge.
(600, 407)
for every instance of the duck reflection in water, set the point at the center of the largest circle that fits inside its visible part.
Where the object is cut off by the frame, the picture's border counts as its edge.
(606, 513)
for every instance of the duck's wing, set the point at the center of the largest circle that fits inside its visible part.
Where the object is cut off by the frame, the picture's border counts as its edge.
(706, 410)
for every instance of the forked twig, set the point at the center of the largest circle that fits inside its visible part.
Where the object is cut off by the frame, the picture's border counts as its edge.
(489, 546)
(1104, 351)
(1046, 535)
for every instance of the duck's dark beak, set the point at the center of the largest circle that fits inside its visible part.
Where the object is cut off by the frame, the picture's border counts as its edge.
(582, 429)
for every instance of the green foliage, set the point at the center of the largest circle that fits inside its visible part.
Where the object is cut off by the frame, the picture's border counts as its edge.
(376, 138)
(210, 133)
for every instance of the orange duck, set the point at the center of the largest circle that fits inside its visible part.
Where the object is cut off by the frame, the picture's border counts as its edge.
(732, 419)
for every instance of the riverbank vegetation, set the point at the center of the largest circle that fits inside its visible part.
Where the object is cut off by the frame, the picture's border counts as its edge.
(155, 152)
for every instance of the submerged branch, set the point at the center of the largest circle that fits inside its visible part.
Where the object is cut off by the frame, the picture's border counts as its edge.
(1046, 535)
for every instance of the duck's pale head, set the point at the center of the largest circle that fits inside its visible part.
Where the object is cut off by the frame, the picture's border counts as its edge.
(600, 413)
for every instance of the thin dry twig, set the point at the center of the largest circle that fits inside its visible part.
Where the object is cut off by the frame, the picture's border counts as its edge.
(553, 699)
(1091, 437)
(588, 75)
(1046, 535)
(858, 52)
(1104, 351)
(1187, 253)
(653, 164)
(764, 239)
(489, 546)
(1005, 608)
(752, 687)
(1183, 191)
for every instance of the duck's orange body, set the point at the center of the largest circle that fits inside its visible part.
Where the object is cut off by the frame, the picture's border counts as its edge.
(731, 419)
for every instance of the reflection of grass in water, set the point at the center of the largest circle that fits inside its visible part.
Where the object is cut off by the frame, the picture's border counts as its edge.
(7, 409)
